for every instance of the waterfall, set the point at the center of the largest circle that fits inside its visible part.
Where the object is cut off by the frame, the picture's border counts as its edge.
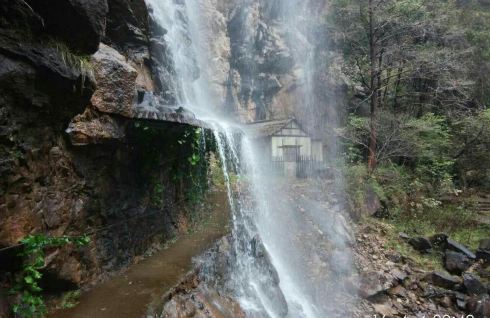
(291, 253)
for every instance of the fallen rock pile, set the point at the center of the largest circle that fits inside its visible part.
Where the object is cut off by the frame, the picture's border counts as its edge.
(394, 285)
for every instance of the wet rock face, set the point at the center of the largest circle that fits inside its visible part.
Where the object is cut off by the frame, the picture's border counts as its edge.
(263, 45)
(127, 27)
(81, 23)
(49, 186)
(192, 298)
(37, 75)
(259, 58)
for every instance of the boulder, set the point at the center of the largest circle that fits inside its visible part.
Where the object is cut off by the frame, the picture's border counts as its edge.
(374, 284)
(79, 23)
(399, 274)
(92, 128)
(116, 83)
(479, 307)
(473, 285)
(442, 279)
(372, 204)
(404, 236)
(460, 300)
(456, 263)
(439, 240)
(421, 244)
(483, 255)
(385, 310)
(484, 245)
(460, 248)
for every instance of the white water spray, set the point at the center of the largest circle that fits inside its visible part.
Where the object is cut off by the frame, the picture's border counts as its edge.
(291, 251)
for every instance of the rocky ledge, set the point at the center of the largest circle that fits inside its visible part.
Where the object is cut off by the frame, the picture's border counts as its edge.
(124, 93)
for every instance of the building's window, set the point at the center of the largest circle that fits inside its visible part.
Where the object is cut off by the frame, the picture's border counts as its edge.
(290, 153)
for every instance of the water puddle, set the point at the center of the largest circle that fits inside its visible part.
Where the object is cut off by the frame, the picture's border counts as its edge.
(129, 294)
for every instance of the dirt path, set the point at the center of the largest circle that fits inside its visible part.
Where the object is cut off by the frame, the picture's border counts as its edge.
(129, 294)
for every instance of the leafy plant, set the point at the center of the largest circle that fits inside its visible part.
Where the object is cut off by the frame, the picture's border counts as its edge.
(70, 299)
(31, 303)
(157, 192)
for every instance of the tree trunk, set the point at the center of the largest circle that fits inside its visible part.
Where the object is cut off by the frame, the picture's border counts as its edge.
(374, 92)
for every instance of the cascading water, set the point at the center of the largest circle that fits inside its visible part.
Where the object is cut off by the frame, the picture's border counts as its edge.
(290, 251)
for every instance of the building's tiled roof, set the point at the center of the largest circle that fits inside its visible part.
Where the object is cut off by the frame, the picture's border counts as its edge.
(265, 128)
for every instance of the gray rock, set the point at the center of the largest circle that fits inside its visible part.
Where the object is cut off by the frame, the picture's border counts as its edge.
(370, 285)
(461, 304)
(395, 257)
(404, 236)
(442, 279)
(460, 248)
(460, 300)
(479, 306)
(473, 285)
(399, 274)
(371, 201)
(483, 255)
(374, 284)
(439, 240)
(456, 263)
(80, 23)
(484, 245)
(421, 244)
(127, 26)
(36, 74)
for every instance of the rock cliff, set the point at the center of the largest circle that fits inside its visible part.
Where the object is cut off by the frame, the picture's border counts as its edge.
(258, 69)
(77, 77)
(74, 77)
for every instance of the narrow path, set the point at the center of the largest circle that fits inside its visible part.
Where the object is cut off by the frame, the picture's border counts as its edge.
(128, 295)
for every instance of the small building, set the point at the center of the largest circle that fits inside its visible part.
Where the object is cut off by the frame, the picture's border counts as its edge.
(286, 142)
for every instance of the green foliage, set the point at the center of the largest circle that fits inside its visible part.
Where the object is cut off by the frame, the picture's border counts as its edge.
(70, 299)
(157, 192)
(423, 144)
(414, 208)
(173, 154)
(428, 64)
(471, 142)
(30, 303)
(79, 62)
